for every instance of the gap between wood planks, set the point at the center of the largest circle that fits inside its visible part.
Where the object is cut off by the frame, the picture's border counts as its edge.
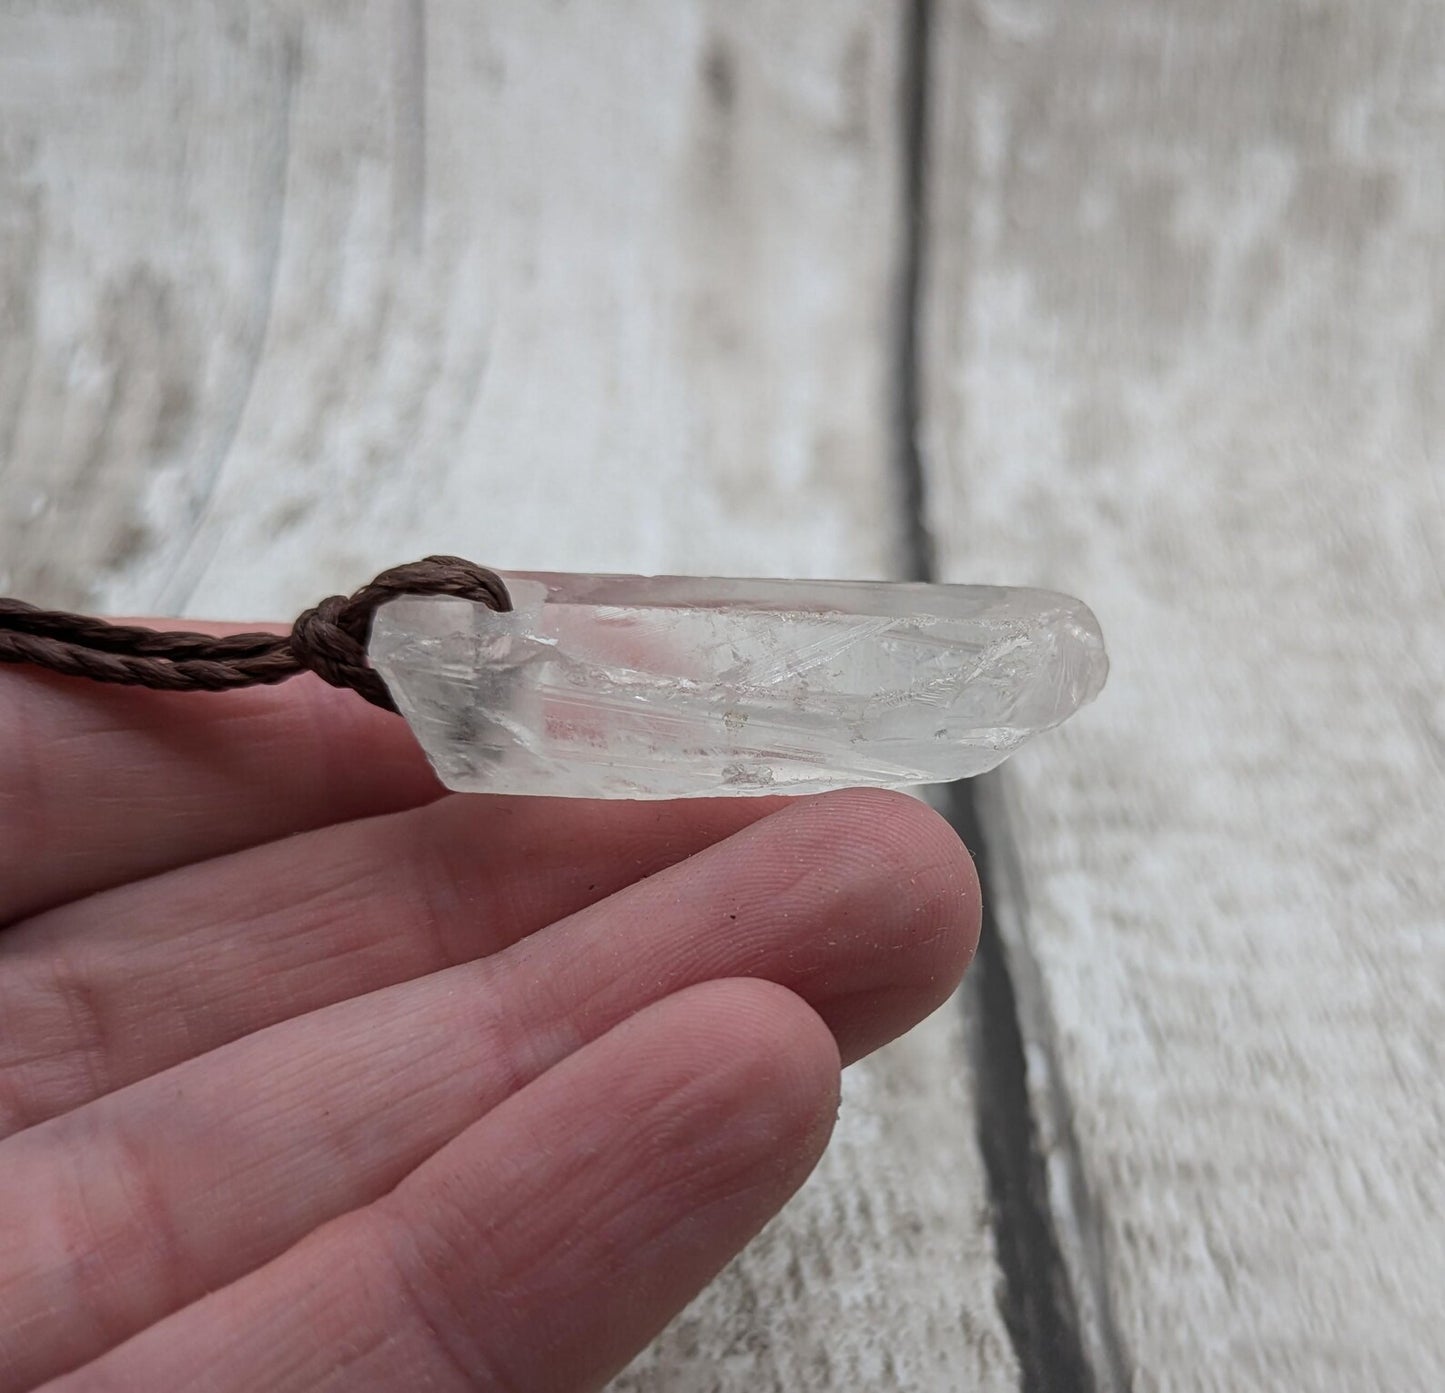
(1040, 1307)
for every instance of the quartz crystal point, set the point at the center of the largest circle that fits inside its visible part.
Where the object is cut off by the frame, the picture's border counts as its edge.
(600, 686)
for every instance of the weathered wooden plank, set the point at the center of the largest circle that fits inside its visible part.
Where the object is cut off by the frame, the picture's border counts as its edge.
(1187, 359)
(294, 292)
(579, 286)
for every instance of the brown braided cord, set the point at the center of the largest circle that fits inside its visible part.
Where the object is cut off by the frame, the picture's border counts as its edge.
(329, 639)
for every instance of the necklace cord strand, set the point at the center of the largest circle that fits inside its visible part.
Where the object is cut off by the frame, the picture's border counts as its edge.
(329, 639)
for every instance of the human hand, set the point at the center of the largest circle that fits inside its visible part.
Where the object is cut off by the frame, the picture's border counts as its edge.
(312, 1077)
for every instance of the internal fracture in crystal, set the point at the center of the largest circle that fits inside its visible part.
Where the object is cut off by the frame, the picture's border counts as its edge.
(602, 686)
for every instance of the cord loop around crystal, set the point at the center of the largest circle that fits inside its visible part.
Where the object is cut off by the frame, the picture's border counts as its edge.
(328, 639)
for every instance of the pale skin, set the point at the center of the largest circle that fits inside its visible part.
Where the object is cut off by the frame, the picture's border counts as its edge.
(315, 1077)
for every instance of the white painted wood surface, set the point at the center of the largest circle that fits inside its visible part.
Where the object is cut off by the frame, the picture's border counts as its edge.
(293, 292)
(339, 283)
(1185, 356)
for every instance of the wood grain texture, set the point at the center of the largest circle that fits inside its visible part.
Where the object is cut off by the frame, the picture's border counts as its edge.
(293, 292)
(337, 284)
(1186, 358)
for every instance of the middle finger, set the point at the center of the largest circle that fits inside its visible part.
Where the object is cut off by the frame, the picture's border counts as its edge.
(119, 986)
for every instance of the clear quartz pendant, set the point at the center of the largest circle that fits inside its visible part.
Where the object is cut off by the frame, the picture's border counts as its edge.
(600, 686)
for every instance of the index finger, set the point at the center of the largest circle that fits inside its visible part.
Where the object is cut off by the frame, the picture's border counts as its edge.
(100, 784)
